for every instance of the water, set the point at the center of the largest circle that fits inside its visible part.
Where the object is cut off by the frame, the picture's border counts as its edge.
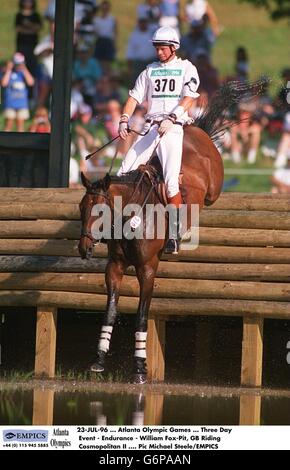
(151, 406)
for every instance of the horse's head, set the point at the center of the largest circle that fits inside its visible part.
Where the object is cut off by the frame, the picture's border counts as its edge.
(96, 193)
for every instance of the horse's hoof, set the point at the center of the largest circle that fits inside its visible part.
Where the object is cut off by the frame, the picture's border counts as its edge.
(97, 368)
(140, 379)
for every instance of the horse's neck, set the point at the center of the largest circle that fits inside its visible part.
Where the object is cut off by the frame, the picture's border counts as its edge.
(129, 193)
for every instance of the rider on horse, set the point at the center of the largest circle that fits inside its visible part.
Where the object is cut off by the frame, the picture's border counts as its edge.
(169, 86)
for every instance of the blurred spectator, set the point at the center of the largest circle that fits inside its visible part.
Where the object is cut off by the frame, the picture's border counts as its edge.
(170, 14)
(87, 69)
(112, 118)
(246, 135)
(76, 99)
(281, 181)
(195, 10)
(150, 10)
(105, 26)
(197, 39)
(27, 23)
(283, 152)
(105, 92)
(74, 173)
(81, 8)
(44, 70)
(140, 51)
(209, 76)
(40, 122)
(85, 29)
(15, 81)
(83, 130)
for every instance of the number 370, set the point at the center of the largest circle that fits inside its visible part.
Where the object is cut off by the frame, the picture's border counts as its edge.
(160, 85)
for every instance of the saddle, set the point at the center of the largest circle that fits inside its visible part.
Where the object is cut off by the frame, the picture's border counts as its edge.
(154, 173)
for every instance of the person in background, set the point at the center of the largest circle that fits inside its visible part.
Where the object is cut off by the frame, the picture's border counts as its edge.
(15, 82)
(44, 71)
(105, 26)
(140, 51)
(283, 151)
(28, 24)
(150, 10)
(281, 181)
(40, 122)
(170, 14)
(195, 10)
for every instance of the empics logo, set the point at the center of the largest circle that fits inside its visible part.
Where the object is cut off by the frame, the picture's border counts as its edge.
(23, 435)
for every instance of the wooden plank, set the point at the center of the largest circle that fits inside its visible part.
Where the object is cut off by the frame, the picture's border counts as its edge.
(156, 348)
(252, 202)
(212, 254)
(36, 210)
(40, 229)
(226, 201)
(167, 307)
(243, 237)
(252, 351)
(250, 410)
(51, 264)
(42, 195)
(163, 287)
(168, 269)
(246, 219)
(53, 247)
(43, 401)
(45, 341)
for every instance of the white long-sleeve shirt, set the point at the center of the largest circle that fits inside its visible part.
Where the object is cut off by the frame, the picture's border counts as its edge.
(163, 85)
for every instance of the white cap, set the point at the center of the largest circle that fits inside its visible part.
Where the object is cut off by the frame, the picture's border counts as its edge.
(18, 58)
(166, 36)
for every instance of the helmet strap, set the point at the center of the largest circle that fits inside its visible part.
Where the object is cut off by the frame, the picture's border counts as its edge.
(172, 49)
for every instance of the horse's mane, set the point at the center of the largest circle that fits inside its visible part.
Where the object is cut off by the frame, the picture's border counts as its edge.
(217, 116)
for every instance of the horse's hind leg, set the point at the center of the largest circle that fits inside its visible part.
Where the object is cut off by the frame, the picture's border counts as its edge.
(114, 275)
(146, 275)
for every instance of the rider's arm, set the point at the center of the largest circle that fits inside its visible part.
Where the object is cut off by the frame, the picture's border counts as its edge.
(129, 107)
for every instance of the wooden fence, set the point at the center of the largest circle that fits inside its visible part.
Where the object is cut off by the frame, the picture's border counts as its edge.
(241, 268)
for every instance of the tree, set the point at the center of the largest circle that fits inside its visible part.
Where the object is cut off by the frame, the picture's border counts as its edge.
(277, 8)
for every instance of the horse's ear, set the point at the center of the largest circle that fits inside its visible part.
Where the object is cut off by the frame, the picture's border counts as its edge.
(86, 183)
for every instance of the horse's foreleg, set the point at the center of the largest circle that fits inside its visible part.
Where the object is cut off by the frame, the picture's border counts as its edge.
(114, 275)
(146, 276)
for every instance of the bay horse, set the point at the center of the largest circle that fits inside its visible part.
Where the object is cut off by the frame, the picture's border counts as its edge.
(202, 169)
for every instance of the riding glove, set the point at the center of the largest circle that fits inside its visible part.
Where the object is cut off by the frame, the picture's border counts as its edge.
(165, 126)
(123, 129)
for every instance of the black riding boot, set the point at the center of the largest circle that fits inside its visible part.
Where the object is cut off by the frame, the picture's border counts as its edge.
(99, 365)
(172, 244)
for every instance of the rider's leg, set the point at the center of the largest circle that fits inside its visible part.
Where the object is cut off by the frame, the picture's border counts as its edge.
(141, 151)
(170, 155)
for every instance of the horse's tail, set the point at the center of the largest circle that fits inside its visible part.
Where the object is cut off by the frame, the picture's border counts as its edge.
(219, 114)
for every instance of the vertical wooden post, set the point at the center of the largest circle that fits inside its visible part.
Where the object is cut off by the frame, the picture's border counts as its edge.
(45, 341)
(43, 407)
(250, 410)
(153, 409)
(252, 352)
(156, 348)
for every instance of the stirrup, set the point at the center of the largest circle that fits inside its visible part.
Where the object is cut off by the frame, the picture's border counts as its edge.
(171, 247)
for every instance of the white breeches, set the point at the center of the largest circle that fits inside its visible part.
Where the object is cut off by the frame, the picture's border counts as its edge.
(169, 151)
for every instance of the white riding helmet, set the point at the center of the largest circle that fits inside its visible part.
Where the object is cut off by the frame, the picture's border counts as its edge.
(166, 36)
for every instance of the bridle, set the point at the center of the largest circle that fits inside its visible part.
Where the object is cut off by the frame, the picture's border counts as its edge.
(87, 233)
